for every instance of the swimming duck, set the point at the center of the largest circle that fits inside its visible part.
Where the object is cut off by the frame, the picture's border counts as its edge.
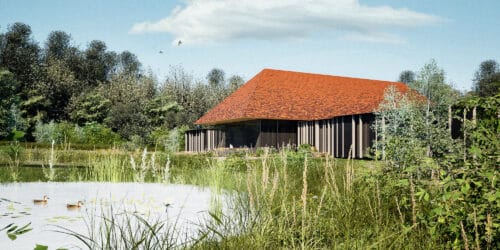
(73, 206)
(45, 200)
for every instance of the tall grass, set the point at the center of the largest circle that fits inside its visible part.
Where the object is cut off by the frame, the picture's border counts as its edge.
(114, 229)
(50, 173)
(316, 203)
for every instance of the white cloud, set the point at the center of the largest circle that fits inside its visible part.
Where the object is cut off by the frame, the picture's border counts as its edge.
(209, 21)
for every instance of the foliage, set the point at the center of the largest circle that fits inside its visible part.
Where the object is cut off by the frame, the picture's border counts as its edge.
(123, 230)
(407, 76)
(487, 79)
(452, 192)
(95, 133)
(399, 127)
(431, 83)
(61, 82)
(57, 86)
(91, 133)
(98, 63)
(466, 210)
(19, 54)
(13, 230)
(8, 89)
(88, 108)
(128, 98)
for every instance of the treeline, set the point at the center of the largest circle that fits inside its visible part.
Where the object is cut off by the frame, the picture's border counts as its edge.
(42, 86)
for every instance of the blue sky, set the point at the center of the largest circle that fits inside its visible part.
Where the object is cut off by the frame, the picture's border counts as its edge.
(367, 38)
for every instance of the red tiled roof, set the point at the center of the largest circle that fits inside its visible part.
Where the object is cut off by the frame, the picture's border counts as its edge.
(286, 95)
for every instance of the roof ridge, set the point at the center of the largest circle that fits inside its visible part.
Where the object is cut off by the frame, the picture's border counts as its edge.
(327, 75)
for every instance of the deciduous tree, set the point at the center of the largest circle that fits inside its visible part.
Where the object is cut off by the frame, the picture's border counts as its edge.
(487, 79)
(407, 76)
(8, 89)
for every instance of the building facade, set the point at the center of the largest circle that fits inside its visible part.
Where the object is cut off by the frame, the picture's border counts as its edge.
(279, 108)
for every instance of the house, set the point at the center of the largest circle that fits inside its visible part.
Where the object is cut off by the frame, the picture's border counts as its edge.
(278, 107)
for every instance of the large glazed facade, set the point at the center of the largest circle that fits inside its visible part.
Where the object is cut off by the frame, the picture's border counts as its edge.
(278, 108)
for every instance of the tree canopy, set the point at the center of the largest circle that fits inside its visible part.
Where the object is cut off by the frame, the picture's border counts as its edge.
(487, 79)
(63, 83)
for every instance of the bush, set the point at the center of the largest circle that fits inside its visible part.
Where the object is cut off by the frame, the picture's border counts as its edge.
(64, 132)
(95, 133)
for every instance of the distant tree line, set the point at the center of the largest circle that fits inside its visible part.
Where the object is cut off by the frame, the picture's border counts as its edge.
(59, 82)
(486, 81)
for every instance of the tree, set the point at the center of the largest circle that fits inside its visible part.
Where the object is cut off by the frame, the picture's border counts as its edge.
(8, 98)
(128, 63)
(162, 111)
(487, 79)
(129, 97)
(57, 45)
(58, 86)
(430, 82)
(19, 55)
(407, 76)
(217, 88)
(216, 78)
(98, 63)
(400, 125)
(91, 107)
(235, 82)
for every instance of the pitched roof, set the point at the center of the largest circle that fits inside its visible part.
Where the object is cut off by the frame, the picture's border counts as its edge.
(287, 95)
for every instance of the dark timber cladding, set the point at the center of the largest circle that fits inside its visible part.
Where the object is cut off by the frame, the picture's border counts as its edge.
(257, 133)
(276, 133)
(198, 140)
(336, 136)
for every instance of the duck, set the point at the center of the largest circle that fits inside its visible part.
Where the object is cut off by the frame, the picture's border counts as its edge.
(74, 206)
(45, 200)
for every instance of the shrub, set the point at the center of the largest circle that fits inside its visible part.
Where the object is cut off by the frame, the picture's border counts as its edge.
(64, 132)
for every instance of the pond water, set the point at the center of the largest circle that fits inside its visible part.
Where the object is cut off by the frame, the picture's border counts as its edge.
(189, 205)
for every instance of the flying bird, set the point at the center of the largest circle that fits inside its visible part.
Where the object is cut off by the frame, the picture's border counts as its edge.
(179, 43)
(161, 51)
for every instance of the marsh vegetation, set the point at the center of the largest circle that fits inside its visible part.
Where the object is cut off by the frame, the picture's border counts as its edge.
(279, 199)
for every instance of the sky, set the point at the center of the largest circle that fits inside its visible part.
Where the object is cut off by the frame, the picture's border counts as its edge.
(375, 39)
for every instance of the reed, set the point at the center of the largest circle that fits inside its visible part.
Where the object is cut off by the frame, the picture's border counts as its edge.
(294, 201)
(114, 229)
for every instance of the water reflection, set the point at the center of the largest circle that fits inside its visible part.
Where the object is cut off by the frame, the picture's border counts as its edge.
(184, 204)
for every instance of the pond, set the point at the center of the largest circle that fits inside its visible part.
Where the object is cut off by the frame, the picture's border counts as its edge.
(188, 205)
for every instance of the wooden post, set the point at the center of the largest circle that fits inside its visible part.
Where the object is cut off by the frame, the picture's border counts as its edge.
(342, 132)
(360, 135)
(353, 135)
(316, 135)
(336, 137)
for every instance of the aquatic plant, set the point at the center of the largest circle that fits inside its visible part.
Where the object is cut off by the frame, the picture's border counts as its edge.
(50, 173)
(115, 229)
(14, 152)
(13, 230)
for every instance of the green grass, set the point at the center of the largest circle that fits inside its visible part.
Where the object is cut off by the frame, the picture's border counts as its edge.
(320, 203)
